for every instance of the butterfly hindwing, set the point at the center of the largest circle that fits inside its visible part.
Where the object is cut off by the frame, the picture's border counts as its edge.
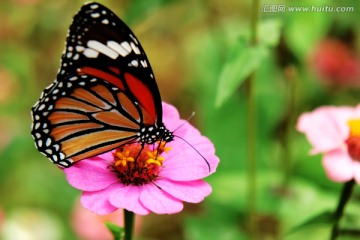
(77, 120)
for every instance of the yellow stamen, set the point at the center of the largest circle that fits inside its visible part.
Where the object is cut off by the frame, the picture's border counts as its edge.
(354, 126)
(163, 148)
(154, 158)
(120, 162)
(161, 159)
(152, 154)
(151, 160)
(123, 158)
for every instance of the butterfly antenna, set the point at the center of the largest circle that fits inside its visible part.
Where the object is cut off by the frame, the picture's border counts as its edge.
(207, 163)
(187, 120)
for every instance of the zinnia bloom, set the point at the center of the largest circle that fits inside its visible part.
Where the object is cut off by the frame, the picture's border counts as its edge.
(157, 180)
(336, 63)
(335, 132)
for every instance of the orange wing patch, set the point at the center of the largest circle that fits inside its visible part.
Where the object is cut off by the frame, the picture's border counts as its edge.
(63, 131)
(116, 119)
(62, 117)
(87, 96)
(97, 151)
(143, 94)
(73, 146)
(69, 103)
(147, 118)
(105, 93)
(128, 106)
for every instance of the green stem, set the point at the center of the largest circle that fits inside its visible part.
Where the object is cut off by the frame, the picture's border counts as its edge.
(129, 224)
(251, 126)
(344, 198)
(350, 232)
(251, 159)
(290, 75)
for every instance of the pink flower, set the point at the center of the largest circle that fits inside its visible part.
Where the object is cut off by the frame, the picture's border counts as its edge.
(163, 178)
(336, 63)
(335, 131)
(1, 219)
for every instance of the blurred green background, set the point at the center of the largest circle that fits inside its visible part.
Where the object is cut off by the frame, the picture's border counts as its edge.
(200, 54)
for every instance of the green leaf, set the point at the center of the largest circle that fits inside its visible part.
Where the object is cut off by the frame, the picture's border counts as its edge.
(116, 230)
(326, 217)
(241, 61)
(269, 32)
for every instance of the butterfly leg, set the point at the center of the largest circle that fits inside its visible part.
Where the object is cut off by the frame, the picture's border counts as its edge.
(141, 149)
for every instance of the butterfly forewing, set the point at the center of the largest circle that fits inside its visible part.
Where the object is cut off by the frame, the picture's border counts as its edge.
(104, 95)
(99, 39)
(97, 36)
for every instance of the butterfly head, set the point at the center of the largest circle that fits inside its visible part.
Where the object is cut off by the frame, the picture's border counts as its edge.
(167, 135)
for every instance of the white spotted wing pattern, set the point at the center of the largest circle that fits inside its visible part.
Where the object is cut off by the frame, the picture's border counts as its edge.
(98, 34)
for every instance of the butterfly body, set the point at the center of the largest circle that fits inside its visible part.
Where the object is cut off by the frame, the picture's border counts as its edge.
(105, 94)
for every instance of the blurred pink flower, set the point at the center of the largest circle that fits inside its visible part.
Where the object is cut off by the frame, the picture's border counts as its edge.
(336, 63)
(90, 226)
(160, 179)
(335, 132)
(1, 219)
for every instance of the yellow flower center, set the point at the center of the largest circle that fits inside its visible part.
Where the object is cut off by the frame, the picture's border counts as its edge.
(353, 141)
(136, 165)
(354, 125)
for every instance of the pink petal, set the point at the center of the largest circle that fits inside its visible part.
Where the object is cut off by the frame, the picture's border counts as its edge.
(326, 127)
(192, 191)
(158, 201)
(128, 198)
(90, 175)
(171, 116)
(191, 152)
(108, 156)
(357, 111)
(338, 165)
(98, 201)
(187, 163)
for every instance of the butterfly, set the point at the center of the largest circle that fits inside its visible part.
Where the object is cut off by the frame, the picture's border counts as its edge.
(104, 96)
